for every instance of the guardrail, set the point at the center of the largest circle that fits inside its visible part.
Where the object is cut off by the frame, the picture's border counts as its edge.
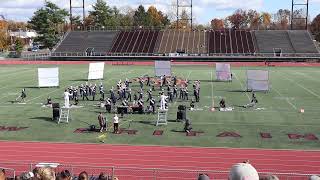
(105, 54)
(134, 173)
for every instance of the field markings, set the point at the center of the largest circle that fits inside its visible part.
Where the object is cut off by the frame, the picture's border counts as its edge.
(288, 101)
(211, 85)
(242, 86)
(10, 74)
(129, 72)
(307, 76)
(298, 84)
(28, 81)
(253, 124)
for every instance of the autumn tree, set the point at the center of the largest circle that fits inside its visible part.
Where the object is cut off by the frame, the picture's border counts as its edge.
(157, 18)
(315, 27)
(217, 24)
(238, 20)
(281, 19)
(184, 21)
(4, 40)
(265, 20)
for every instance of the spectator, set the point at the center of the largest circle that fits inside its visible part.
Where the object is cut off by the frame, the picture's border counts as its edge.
(65, 175)
(203, 177)
(83, 176)
(269, 177)
(44, 174)
(26, 176)
(2, 174)
(103, 176)
(243, 171)
(314, 177)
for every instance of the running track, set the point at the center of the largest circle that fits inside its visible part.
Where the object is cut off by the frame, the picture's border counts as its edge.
(188, 158)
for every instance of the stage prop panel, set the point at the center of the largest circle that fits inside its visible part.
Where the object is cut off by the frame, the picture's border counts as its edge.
(223, 72)
(48, 77)
(162, 68)
(96, 71)
(258, 80)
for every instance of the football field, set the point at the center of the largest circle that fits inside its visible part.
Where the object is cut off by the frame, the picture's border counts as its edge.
(276, 122)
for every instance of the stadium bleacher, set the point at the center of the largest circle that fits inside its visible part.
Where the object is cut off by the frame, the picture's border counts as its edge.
(189, 42)
(212, 43)
(135, 41)
(80, 41)
(231, 42)
(302, 42)
(267, 41)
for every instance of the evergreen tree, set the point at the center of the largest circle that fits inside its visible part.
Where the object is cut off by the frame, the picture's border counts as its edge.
(46, 21)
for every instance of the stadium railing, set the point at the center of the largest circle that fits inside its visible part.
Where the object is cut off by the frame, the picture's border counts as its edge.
(83, 54)
(13, 169)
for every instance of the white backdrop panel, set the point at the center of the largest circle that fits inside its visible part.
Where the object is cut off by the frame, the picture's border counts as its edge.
(223, 72)
(260, 75)
(258, 80)
(162, 68)
(48, 77)
(96, 71)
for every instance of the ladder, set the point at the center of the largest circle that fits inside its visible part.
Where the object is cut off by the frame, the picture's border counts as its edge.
(64, 115)
(162, 117)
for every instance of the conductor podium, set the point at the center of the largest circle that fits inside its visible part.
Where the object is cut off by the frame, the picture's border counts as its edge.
(162, 117)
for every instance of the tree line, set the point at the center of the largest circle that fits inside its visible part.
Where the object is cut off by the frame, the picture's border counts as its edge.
(50, 21)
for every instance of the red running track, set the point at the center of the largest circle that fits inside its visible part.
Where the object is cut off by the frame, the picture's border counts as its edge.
(189, 158)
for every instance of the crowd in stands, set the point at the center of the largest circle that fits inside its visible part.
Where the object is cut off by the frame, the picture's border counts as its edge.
(239, 171)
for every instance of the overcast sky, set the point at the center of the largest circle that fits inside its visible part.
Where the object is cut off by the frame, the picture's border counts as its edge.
(204, 10)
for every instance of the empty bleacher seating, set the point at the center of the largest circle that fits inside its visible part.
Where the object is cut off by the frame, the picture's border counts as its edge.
(135, 41)
(268, 41)
(302, 42)
(80, 41)
(189, 42)
(231, 42)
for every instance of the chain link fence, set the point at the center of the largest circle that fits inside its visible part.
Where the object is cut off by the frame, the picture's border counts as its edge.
(129, 173)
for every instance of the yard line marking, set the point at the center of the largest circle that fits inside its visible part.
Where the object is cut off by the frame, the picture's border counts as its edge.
(294, 107)
(252, 124)
(235, 75)
(311, 92)
(10, 74)
(307, 76)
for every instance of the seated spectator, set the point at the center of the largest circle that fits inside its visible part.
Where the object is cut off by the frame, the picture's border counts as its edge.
(2, 174)
(203, 177)
(83, 176)
(44, 174)
(314, 177)
(242, 171)
(269, 177)
(103, 176)
(26, 176)
(65, 175)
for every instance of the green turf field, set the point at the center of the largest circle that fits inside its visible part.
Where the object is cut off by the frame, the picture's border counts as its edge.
(292, 89)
